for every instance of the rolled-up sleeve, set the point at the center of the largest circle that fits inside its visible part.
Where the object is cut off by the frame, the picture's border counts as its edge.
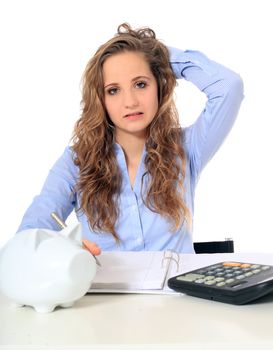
(224, 91)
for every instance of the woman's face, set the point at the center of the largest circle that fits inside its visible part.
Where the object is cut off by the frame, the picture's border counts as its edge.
(130, 93)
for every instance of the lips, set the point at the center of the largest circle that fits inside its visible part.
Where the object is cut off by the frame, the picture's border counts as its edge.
(132, 115)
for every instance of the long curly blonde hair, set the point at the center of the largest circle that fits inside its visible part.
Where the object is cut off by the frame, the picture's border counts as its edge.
(100, 179)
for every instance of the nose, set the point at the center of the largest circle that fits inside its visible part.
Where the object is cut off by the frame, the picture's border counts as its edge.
(130, 99)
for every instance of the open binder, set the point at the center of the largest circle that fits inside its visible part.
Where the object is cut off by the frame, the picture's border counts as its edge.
(149, 271)
(128, 271)
(135, 272)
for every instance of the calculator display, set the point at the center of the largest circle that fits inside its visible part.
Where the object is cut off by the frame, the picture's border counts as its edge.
(228, 281)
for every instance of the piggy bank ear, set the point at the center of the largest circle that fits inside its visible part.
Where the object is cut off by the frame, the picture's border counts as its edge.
(39, 237)
(73, 232)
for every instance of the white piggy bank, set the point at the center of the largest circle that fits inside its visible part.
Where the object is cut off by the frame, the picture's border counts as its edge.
(45, 269)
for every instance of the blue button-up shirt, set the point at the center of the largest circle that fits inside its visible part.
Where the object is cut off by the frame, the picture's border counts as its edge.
(138, 227)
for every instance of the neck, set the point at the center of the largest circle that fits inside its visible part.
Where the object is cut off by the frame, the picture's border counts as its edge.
(132, 146)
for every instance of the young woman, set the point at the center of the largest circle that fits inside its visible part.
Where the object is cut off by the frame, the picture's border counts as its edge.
(131, 171)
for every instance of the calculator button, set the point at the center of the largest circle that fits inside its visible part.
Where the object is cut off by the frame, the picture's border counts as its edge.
(201, 280)
(219, 274)
(209, 278)
(256, 271)
(237, 273)
(210, 273)
(190, 277)
(230, 280)
(219, 269)
(231, 264)
(220, 284)
(255, 266)
(248, 274)
(245, 265)
(210, 282)
(219, 279)
(264, 268)
(211, 268)
(228, 275)
(240, 277)
(214, 267)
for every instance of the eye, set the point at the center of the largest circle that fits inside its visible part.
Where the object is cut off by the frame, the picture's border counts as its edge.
(112, 91)
(141, 84)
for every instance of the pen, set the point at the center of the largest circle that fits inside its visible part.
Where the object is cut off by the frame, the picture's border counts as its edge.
(63, 225)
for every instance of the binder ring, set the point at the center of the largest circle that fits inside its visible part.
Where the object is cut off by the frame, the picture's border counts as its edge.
(171, 258)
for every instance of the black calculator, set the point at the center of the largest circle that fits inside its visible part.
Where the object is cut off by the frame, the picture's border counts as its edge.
(229, 282)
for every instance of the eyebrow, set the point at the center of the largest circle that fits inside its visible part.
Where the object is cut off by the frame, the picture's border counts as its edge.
(133, 80)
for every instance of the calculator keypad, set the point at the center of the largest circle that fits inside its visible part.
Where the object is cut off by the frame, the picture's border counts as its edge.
(226, 274)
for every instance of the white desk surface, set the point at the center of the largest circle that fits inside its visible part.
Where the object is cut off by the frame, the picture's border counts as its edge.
(139, 321)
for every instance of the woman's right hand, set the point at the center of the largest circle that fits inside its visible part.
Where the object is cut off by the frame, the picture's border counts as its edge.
(92, 247)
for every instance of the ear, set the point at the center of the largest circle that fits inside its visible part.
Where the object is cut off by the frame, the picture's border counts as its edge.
(73, 232)
(39, 237)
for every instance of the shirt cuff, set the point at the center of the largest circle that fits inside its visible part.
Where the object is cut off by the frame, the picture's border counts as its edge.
(182, 60)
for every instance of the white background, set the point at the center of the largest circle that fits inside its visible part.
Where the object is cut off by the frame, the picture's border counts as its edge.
(45, 46)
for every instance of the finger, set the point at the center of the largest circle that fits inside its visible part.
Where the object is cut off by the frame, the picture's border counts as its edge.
(92, 247)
